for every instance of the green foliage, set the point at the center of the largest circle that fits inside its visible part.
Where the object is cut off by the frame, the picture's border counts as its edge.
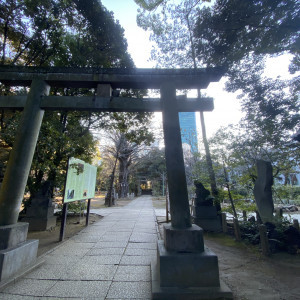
(149, 4)
(250, 30)
(287, 193)
(249, 232)
(152, 166)
(72, 34)
(281, 235)
(61, 33)
(171, 30)
(229, 30)
(76, 207)
(241, 205)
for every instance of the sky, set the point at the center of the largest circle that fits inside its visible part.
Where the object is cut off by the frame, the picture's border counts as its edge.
(226, 107)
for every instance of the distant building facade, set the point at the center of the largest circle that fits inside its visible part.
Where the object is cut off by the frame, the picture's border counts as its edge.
(189, 132)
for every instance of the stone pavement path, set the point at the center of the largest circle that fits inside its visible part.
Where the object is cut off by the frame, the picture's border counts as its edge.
(108, 260)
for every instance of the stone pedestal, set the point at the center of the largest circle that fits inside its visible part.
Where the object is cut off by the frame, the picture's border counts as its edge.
(16, 253)
(204, 212)
(206, 217)
(263, 190)
(40, 215)
(186, 269)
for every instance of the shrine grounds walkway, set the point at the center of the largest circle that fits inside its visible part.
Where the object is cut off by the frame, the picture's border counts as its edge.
(109, 259)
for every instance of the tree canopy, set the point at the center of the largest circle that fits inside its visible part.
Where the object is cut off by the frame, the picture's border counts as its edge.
(240, 35)
(71, 34)
(230, 30)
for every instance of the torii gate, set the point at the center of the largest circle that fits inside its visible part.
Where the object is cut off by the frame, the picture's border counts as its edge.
(183, 248)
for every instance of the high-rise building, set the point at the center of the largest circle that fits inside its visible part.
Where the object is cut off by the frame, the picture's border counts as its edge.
(189, 132)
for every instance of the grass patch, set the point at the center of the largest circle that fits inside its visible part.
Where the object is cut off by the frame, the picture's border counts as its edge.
(159, 202)
(229, 241)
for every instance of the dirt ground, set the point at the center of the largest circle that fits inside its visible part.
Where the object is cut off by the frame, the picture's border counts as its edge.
(50, 238)
(253, 276)
(249, 274)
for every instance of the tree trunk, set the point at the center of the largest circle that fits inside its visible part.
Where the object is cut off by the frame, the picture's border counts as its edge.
(110, 199)
(124, 164)
(211, 172)
(229, 192)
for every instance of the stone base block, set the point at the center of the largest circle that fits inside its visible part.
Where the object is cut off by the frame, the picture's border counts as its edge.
(189, 293)
(213, 225)
(187, 269)
(206, 212)
(40, 211)
(184, 240)
(41, 224)
(12, 235)
(15, 259)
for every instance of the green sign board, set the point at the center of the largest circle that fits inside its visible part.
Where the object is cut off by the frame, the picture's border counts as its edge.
(81, 181)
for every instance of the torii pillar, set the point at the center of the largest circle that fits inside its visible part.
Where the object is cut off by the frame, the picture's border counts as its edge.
(16, 252)
(184, 269)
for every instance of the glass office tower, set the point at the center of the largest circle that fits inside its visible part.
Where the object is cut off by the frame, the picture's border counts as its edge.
(188, 128)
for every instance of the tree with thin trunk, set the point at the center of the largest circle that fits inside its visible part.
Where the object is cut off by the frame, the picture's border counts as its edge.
(172, 31)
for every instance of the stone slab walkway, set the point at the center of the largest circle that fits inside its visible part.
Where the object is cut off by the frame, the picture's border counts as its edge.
(108, 260)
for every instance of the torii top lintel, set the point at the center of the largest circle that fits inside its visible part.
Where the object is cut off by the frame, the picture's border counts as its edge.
(118, 78)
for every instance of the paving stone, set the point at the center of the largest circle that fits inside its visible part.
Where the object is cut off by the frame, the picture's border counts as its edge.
(17, 297)
(84, 271)
(111, 244)
(96, 252)
(146, 219)
(82, 289)
(61, 259)
(137, 260)
(47, 271)
(30, 287)
(80, 245)
(140, 252)
(103, 260)
(143, 237)
(99, 227)
(125, 222)
(70, 251)
(114, 238)
(133, 273)
(144, 230)
(106, 251)
(95, 233)
(86, 239)
(118, 234)
(121, 229)
(72, 244)
(132, 245)
(127, 290)
(105, 223)
(140, 227)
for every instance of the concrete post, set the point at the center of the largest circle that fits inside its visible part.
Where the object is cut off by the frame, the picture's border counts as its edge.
(179, 202)
(16, 175)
